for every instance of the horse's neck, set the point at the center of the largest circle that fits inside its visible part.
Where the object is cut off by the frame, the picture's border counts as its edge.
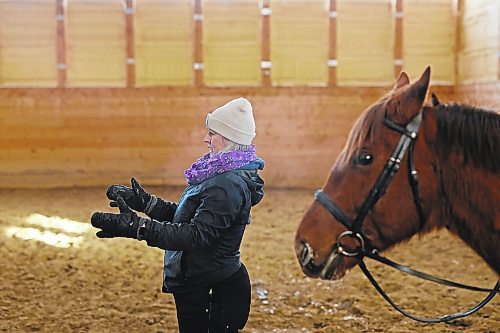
(471, 211)
(466, 198)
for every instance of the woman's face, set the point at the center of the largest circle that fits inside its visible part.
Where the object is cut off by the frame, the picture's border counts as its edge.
(215, 141)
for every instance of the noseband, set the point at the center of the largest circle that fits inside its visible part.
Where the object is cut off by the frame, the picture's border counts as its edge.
(409, 135)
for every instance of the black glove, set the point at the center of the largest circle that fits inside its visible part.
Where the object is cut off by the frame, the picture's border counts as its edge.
(125, 224)
(135, 197)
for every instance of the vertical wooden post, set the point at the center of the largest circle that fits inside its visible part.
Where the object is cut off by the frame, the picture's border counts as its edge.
(332, 44)
(61, 45)
(265, 63)
(498, 61)
(398, 38)
(458, 37)
(129, 35)
(198, 44)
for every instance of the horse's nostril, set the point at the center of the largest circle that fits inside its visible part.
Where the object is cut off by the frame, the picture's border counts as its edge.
(306, 254)
(303, 252)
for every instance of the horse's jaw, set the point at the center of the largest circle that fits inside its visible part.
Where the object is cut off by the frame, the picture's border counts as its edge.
(332, 266)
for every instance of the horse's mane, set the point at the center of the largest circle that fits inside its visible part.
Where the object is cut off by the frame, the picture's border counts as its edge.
(471, 131)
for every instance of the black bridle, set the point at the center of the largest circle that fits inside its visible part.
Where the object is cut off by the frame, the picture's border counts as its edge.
(407, 141)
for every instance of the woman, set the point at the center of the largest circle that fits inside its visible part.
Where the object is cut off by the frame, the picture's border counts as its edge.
(202, 233)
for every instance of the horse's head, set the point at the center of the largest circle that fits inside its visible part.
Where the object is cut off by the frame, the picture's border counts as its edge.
(393, 218)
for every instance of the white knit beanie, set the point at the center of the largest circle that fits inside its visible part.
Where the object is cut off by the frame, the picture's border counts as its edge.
(234, 121)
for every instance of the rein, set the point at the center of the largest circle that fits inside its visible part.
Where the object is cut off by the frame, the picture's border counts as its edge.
(409, 135)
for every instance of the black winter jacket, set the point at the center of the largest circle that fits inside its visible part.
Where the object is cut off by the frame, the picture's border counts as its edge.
(203, 232)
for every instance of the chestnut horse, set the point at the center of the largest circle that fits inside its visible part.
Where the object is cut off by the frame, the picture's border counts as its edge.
(366, 206)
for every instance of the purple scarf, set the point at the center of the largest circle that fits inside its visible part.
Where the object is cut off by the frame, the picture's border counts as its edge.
(210, 165)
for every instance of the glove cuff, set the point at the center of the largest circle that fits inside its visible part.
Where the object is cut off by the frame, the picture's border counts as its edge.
(151, 204)
(141, 229)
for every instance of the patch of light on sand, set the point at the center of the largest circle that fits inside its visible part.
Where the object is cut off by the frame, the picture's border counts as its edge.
(47, 237)
(56, 222)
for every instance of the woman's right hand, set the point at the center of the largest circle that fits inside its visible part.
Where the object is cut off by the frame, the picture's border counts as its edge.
(136, 197)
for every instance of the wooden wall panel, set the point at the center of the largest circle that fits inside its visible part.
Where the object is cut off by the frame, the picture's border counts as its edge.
(98, 136)
(480, 41)
(94, 137)
(429, 38)
(27, 43)
(96, 43)
(486, 94)
(164, 42)
(231, 43)
(365, 42)
(299, 42)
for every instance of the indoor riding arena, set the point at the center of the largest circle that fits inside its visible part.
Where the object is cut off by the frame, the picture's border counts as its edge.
(94, 92)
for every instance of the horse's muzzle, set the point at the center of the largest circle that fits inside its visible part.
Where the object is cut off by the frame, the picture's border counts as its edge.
(306, 258)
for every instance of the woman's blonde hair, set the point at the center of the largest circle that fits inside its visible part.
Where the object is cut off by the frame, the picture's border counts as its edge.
(231, 146)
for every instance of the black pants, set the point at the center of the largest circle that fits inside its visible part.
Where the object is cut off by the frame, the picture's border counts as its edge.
(221, 308)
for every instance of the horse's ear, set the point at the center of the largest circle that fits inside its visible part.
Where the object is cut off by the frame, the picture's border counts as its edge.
(435, 100)
(409, 102)
(402, 81)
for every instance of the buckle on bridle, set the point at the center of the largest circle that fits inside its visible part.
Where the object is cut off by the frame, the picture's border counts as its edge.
(341, 250)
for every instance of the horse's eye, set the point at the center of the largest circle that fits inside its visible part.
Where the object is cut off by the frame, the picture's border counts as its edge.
(364, 158)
